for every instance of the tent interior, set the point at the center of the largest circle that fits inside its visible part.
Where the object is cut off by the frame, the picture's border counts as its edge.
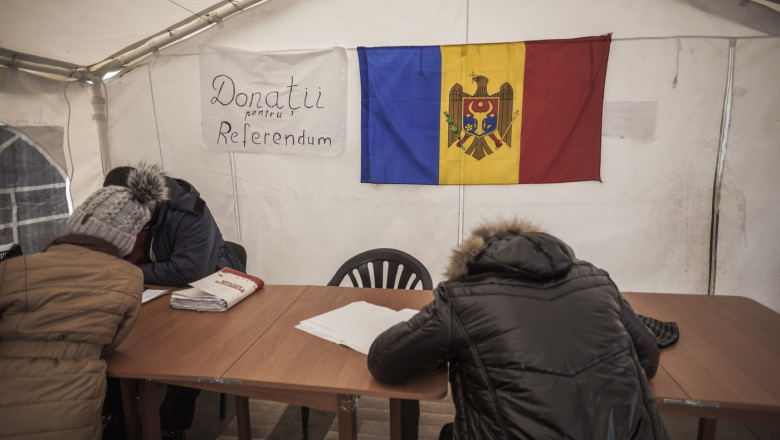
(688, 200)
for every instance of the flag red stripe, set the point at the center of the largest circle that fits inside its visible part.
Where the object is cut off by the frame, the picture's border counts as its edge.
(563, 96)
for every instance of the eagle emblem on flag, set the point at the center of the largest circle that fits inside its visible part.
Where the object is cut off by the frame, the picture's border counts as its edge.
(484, 119)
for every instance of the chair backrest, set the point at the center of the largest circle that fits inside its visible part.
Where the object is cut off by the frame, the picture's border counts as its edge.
(403, 270)
(239, 251)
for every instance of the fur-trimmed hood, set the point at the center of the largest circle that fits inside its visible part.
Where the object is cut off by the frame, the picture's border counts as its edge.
(147, 183)
(511, 247)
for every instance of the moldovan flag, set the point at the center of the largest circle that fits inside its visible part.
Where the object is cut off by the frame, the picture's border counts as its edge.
(503, 113)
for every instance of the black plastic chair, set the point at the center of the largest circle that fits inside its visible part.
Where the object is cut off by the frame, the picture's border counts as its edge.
(241, 254)
(403, 272)
(239, 251)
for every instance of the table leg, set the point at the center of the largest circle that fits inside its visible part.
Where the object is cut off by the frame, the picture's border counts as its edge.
(129, 399)
(706, 429)
(242, 418)
(347, 414)
(396, 428)
(150, 410)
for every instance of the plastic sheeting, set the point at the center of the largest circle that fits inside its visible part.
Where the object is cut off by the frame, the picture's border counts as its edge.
(33, 188)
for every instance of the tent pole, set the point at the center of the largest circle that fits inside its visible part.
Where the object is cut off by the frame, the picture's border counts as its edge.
(100, 109)
(41, 65)
(716, 187)
(235, 196)
(180, 31)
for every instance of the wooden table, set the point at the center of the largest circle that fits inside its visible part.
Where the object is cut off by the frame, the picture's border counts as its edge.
(253, 350)
(726, 364)
(312, 372)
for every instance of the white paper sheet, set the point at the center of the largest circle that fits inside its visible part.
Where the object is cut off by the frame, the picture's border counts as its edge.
(355, 325)
(150, 294)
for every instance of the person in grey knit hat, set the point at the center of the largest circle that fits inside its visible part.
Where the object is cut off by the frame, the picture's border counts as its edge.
(118, 213)
(64, 309)
(112, 214)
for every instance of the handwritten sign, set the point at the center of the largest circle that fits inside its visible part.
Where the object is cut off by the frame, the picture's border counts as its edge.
(273, 102)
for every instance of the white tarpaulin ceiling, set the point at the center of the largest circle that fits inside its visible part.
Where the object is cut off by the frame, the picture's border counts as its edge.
(86, 33)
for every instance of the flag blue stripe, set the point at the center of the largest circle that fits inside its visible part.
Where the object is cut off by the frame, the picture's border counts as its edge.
(400, 120)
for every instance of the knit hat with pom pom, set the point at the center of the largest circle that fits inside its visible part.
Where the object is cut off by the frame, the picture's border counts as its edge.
(116, 213)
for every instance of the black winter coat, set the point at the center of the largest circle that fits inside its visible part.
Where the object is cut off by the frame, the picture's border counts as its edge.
(540, 345)
(184, 243)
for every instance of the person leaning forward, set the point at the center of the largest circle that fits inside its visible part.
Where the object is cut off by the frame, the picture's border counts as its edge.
(181, 244)
(540, 345)
(62, 311)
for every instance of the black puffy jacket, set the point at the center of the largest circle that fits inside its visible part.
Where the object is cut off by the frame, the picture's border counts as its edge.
(540, 345)
(185, 243)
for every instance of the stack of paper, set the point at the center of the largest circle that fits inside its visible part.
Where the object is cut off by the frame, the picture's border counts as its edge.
(217, 292)
(355, 325)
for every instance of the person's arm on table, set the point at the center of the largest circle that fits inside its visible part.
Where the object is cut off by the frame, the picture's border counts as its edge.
(193, 256)
(643, 339)
(412, 348)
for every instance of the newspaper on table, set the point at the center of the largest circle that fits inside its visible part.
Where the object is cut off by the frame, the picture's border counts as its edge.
(217, 292)
(355, 325)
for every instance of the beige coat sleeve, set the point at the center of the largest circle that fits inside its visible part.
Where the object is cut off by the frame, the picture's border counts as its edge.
(130, 308)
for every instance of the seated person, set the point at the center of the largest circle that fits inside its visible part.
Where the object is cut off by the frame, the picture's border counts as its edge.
(62, 311)
(540, 345)
(181, 244)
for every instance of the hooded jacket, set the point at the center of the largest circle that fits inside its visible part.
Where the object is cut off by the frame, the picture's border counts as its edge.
(540, 345)
(184, 243)
(61, 311)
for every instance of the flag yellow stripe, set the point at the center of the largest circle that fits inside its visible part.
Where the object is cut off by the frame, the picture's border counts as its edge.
(501, 63)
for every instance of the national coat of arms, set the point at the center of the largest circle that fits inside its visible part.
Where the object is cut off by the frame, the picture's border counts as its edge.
(479, 123)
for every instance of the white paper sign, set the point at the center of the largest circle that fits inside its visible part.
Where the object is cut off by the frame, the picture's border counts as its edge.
(273, 102)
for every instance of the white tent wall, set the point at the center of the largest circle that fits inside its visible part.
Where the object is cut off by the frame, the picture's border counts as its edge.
(749, 238)
(132, 129)
(156, 103)
(648, 223)
(300, 216)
